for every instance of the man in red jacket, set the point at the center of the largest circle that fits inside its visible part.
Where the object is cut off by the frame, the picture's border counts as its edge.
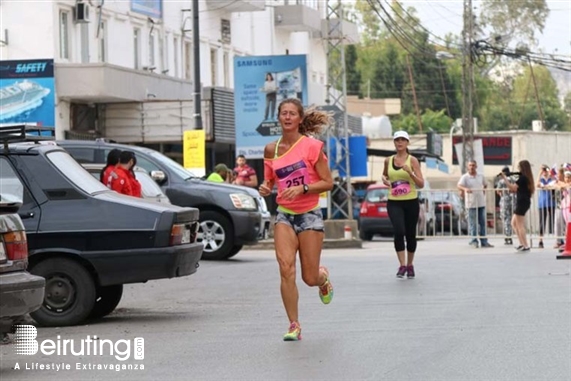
(122, 179)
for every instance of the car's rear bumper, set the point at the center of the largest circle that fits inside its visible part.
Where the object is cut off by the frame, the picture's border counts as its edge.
(20, 293)
(141, 265)
(370, 225)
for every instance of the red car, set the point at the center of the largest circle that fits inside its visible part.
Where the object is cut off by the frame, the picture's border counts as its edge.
(373, 216)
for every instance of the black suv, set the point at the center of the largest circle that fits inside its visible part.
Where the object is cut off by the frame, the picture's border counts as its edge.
(230, 215)
(86, 240)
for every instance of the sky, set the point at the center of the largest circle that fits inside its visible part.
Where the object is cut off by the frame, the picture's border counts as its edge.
(445, 16)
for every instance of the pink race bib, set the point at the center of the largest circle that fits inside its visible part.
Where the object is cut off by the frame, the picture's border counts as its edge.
(400, 188)
(292, 175)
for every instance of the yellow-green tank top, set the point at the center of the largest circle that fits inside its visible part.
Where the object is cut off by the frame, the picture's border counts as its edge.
(402, 185)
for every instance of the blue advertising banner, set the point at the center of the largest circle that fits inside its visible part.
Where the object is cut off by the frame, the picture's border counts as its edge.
(151, 8)
(27, 90)
(260, 84)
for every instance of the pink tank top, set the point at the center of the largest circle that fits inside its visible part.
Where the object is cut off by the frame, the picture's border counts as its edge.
(293, 168)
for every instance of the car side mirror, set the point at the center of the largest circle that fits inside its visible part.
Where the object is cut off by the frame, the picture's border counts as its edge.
(158, 176)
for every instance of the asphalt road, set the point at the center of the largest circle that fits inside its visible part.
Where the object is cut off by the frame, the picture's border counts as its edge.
(471, 314)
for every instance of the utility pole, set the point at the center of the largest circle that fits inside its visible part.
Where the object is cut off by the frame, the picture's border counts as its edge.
(196, 96)
(467, 86)
(337, 96)
(536, 95)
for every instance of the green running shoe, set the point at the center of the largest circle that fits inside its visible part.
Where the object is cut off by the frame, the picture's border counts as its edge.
(294, 332)
(326, 289)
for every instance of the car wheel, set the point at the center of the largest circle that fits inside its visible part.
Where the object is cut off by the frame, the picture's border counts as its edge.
(235, 250)
(216, 234)
(107, 299)
(69, 294)
(365, 236)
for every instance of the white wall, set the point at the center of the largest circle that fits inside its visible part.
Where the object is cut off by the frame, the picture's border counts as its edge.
(25, 42)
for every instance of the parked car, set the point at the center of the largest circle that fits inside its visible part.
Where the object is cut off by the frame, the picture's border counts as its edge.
(150, 190)
(374, 218)
(87, 240)
(230, 215)
(449, 213)
(20, 291)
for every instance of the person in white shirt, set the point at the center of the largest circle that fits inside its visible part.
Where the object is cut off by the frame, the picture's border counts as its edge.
(472, 185)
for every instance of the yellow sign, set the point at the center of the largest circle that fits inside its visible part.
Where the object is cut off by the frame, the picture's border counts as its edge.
(193, 151)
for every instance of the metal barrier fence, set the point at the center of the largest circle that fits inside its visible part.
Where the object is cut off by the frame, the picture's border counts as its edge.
(443, 214)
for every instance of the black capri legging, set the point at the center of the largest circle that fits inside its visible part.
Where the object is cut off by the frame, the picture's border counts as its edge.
(404, 217)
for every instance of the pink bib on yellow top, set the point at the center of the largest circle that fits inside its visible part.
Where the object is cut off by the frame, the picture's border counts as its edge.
(293, 168)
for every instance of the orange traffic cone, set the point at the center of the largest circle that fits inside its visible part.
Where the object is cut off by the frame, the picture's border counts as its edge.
(566, 254)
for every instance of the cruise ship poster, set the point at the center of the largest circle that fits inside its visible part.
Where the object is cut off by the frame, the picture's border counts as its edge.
(27, 92)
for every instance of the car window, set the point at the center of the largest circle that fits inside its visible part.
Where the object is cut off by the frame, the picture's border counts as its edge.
(173, 166)
(82, 154)
(146, 164)
(75, 172)
(377, 195)
(11, 188)
(148, 185)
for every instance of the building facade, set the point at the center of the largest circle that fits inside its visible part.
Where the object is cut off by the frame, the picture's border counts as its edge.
(124, 69)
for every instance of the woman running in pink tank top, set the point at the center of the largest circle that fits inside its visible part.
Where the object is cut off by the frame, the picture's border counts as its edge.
(298, 167)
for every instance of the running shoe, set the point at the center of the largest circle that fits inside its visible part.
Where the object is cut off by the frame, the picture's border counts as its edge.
(487, 245)
(525, 249)
(294, 332)
(325, 290)
(402, 272)
(519, 248)
(410, 272)
(541, 245)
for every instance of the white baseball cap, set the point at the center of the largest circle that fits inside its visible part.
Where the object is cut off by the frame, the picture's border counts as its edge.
(401, 134)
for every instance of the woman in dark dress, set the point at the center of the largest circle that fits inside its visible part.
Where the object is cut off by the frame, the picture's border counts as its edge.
(523, 188)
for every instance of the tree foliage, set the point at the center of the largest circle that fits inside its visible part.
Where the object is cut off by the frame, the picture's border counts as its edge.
(351, 72)
(514, 21)
(567, 103)
(379, 68)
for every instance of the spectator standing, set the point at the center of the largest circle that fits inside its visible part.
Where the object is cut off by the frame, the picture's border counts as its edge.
(245, 175)
(221, 174)
(112, 161)
(546, 202)
(122, 179)
(507, 204)
(559, 223)
(473, 186)
(524, 188)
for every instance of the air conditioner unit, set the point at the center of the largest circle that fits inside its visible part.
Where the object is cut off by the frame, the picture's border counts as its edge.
(81, 12)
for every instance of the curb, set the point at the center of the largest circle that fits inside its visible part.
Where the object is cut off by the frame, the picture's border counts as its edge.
(268, 244)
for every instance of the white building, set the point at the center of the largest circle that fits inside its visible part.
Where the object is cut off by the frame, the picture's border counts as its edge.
(124, 68)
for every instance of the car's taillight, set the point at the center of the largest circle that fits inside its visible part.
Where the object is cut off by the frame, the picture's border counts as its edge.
(444, 206)
(16, 245)
(364, 208)
(180, 235)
